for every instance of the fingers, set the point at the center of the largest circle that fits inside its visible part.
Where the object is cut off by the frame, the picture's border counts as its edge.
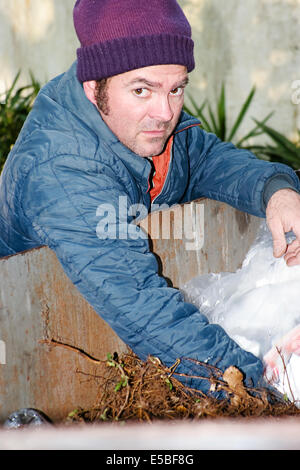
(292, 255)
(280, 246)
(278, 235)
(271, 375)
(292, 342)
(283, 216)
(294, 261)
(271, 370)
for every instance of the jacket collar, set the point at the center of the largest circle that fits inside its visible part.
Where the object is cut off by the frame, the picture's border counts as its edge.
(70, 95)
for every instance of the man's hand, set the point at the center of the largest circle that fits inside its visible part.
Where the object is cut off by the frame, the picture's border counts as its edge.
(283, 215)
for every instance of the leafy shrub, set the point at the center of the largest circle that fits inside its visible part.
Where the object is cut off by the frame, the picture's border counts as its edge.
(217, 122)
(284, 150)
(15, 104)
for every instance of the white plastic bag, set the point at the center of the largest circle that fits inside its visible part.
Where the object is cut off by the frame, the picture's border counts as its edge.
(258, 306)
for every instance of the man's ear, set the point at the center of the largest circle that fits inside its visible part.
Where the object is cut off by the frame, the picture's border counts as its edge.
(89, 89)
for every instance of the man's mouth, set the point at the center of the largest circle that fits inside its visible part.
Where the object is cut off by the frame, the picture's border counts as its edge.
(155, 132)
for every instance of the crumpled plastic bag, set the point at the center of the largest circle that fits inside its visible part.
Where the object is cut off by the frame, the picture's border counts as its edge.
(259, 307)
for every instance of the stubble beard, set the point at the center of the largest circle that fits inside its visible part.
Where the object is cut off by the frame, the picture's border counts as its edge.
(140, 149)
(102, 101)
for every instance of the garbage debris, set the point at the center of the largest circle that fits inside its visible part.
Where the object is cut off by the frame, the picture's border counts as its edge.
(26, 417)
(259, 308)
(136, 390)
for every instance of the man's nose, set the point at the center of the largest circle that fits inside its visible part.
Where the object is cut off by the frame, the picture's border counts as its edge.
(161, 110)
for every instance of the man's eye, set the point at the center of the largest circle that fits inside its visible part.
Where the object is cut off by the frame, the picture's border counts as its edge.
(143, 92)
(177, 91)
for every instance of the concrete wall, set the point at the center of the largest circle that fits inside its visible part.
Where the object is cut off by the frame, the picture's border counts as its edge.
(35, 35)
(242, 42)
(246, 43)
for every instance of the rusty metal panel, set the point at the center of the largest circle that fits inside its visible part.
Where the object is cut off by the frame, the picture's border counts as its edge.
(39, 303)
(215, 238)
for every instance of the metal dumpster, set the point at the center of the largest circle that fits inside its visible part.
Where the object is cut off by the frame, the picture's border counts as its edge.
(50, 336)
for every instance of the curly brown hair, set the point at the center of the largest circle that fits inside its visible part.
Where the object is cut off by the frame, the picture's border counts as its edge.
(101, 95)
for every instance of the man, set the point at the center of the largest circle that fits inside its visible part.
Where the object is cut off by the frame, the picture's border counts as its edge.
(112, 129)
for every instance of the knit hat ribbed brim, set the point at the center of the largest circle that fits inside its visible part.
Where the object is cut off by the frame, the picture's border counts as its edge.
(117, 36)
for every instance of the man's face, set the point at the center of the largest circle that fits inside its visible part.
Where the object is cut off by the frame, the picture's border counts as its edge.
(143, 106)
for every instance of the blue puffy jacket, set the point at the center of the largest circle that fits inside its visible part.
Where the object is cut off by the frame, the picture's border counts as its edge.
(67, 163)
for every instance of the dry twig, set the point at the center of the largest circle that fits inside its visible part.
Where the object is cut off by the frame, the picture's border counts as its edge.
(145, 391)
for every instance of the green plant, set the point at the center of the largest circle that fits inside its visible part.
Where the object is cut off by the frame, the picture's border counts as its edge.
(218, 122)
(284, 150)
(124, 379)
(15, 104)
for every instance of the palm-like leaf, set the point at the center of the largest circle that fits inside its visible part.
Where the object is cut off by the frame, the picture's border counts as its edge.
(284, 150)
(218, 122)
(15, 104)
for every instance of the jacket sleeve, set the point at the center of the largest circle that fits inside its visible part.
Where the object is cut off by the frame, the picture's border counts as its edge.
(220, 171)
(76, 213)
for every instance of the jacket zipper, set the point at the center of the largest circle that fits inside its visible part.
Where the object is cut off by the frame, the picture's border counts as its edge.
(170, 161)
(168, 172)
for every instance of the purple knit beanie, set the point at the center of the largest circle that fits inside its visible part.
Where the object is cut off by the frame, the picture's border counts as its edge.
(117, 36)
